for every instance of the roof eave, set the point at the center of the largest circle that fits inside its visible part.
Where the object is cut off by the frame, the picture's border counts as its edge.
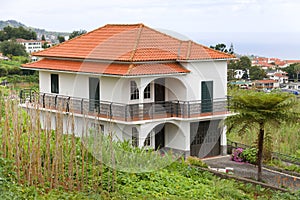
(206, 60)
(104, 74)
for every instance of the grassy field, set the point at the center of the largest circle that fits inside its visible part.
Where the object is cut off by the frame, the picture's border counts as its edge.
(285, 140)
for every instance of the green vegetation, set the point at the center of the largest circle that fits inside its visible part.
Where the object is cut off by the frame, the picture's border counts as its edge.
(61, 39)
(222, 47)
(9, 33)
(282, 165)
(249, 155)
(11, 73)
(77, 33)
(293, 71)
(256, 111)
(196, 162)
(9, 48)
(40, 163)
(244, 63)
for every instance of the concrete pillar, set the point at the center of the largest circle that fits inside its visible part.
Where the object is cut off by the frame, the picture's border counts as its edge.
(223, 142)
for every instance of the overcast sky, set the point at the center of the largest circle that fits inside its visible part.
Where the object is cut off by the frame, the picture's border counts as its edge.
(265, 27)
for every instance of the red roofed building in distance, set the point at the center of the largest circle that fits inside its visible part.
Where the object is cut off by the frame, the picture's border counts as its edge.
(143, 85)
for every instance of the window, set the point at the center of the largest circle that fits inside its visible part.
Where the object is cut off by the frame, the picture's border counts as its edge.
(134, 138)
(54, 83)
(134, 91)
(147, 92)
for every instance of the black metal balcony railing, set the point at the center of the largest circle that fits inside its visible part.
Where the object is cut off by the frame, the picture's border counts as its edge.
(126, 112)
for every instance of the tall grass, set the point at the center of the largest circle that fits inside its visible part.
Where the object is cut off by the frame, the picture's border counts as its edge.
(284, 140)
(51, 159)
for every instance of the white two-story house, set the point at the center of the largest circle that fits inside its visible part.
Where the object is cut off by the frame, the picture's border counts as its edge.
(31, 46)
(141, 84)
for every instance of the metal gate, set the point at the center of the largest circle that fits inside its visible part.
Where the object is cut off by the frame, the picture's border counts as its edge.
(205, 138)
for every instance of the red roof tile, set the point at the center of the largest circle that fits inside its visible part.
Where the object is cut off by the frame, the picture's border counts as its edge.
(135, 42)
(107, 68)
(266, 81)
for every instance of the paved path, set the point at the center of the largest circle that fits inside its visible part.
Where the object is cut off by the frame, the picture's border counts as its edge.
(246, 170)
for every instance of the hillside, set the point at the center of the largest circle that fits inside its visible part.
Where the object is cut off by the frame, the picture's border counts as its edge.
(50, 35)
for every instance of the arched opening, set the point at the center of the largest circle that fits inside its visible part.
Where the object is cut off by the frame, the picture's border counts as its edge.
(167, 136)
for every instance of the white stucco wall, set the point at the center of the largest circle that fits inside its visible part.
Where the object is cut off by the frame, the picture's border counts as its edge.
(206, 71)
(69, 84)
(178, 87)
(44, 82)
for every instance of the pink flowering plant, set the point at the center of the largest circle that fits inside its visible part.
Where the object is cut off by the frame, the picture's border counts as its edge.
(236, 155)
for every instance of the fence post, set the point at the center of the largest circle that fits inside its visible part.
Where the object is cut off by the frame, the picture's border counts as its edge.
(44, 100)
(172, 110)
(81, 106)
(153, 110)
(55, 101)
(21, 93)
(183, 109)
(30, 98)
(177, 108)
(68, 105)
(110, 110)
(189, 111)
(126, 110)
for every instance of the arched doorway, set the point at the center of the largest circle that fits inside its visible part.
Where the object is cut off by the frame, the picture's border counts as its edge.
(166, 135)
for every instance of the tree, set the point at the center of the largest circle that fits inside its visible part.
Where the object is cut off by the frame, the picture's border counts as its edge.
(256, 111)
(297, 71)
(12, 48)
(220, 47)
(43, 38)
(257, 73)
(61, 39)
(9, 32)
(243, 63)
(291, 71)
(231, 49)
(76, 33)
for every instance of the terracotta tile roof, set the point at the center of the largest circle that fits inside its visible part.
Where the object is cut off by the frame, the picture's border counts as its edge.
(280, 74)
(266, 81)
(128, 69)
(21, 40)
(135, 42)
(292, 61)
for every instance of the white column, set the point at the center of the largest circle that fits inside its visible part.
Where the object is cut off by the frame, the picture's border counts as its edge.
(223, 142)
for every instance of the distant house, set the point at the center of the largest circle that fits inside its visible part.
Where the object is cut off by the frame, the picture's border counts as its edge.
(31, 46)
(242, 84)
(278, 76)
(289, 62)
(293, 86)
(2, 57)
(239, 73)
(146, 86)
(269, 63)
(266, 84)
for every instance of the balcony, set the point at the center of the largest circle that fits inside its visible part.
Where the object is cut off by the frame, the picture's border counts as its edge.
(125, 112)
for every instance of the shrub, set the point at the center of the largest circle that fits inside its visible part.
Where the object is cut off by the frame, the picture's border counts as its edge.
(249, 155)
(236, 155)
(196, 162)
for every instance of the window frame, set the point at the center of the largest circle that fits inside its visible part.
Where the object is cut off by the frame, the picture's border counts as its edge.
(134, 91)
(147, 91)
(54, 83)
